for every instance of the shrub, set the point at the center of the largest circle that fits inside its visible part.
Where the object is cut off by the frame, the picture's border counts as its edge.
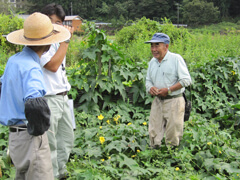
(140, 29)
(215, 84)
(9, 23)
(132, 37)
(197, 12)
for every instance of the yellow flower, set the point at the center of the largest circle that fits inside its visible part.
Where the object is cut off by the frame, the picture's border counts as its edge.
(115, 119)
(109, 157)
(138, 150)
(102, 160)
(108, 121)
(144, 123)
(101, 139)
(237, 174)
(233, 72)
(110, 44)
(209, 143)
(129, 124)
(177, 168)
(100, 127)
(133, 156)
(118, 116)
(133, 141)
(100, 117)
(220, 152)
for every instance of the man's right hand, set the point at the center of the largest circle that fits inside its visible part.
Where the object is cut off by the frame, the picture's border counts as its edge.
(153, 91)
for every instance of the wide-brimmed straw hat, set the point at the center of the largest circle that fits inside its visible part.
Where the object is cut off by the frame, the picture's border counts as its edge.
(39, 31)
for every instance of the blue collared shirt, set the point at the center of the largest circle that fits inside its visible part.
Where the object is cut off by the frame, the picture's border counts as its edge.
(22, 79)
(171, 70)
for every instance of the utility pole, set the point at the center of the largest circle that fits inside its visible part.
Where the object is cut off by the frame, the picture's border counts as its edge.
(177, 14)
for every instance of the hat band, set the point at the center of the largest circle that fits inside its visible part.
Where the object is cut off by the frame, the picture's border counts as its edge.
(37, 39)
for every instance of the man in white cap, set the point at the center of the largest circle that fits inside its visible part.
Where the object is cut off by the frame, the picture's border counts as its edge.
(22, 106)
(167, 77)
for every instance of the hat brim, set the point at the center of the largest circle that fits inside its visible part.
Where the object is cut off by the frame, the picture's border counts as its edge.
(17, 37)
(154, 41)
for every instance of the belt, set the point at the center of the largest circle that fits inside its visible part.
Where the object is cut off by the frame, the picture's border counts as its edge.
(169, 97)
(17, 128)
(62, 93)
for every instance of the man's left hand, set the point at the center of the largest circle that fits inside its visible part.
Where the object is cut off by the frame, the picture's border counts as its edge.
(162, 92)
(70, 28)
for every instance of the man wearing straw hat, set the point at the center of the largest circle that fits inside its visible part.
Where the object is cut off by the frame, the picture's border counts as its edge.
(22, 106)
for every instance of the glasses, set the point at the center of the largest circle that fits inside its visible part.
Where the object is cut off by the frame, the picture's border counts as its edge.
(58, 23)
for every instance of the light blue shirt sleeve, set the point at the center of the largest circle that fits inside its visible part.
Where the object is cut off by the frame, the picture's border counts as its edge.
(33, 84)
(184, 77)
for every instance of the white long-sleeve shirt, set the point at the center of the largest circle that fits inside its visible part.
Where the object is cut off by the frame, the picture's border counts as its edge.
(56, 82)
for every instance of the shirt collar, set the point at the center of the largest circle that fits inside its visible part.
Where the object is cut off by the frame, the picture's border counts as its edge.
(32, 53)
(165, 57)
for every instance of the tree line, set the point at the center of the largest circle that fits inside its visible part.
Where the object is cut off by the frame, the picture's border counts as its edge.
(192, 12)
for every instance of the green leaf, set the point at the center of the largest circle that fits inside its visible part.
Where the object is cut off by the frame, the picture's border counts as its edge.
(105, 47)
(105, 58)
(73, 92)
(121, 89)
(95, 97)
(111, 170)
(125, 73)
(86, 87)
(126, 161)
(91, 53)
(90, 133)
(86, 97)
(116, 145)
(94, 151)
(136, 91)
(236, 105)
(100, 36)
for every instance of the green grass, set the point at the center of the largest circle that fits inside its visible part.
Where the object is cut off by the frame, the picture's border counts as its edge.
(215, 28)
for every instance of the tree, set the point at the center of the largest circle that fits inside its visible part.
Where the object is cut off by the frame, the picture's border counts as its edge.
(199, 12)
(234, 8)
(195, 11)
(18, 7)
(223, 6)
(153, 8)
(4, 7)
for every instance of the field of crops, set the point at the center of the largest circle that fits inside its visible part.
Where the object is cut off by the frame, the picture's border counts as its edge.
(112, 107)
